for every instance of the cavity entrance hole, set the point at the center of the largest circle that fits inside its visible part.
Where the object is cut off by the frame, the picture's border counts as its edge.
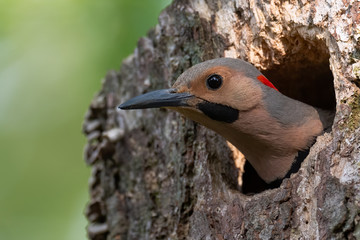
(304, 74)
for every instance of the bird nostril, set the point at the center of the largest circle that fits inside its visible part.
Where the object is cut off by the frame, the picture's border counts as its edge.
(173, 90)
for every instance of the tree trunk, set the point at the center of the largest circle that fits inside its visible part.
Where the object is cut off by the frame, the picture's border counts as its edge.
(157, 175)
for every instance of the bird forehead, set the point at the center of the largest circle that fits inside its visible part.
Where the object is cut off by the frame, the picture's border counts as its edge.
(224, 66)
(195, 80)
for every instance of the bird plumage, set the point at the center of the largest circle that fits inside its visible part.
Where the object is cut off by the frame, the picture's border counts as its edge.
(233, 98)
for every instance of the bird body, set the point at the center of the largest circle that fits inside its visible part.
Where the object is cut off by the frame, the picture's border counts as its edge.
(231, 97)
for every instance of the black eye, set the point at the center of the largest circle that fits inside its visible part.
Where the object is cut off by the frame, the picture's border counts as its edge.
(214, 82)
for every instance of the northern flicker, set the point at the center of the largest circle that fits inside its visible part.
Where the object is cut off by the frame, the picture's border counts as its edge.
(233, 98)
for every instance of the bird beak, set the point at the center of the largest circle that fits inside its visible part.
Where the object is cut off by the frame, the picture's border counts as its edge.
(158, 98)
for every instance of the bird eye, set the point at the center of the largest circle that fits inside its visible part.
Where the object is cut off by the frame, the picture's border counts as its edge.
(214, 82)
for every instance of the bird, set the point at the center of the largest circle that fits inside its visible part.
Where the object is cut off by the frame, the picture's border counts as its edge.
(233, 98)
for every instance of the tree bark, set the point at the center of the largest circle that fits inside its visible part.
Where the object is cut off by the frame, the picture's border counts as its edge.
(157, 175)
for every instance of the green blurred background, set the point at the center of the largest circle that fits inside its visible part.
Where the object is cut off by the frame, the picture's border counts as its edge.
(53, 55)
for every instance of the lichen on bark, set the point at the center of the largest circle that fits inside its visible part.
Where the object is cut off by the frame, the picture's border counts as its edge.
(158, 175)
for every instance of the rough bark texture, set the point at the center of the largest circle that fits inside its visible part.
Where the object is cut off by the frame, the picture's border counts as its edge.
(157, 175)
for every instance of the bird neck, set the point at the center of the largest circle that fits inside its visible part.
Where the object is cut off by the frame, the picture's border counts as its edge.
(271, 145)
(268, 142)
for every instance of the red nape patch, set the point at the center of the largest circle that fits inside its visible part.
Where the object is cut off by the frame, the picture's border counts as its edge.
(265, 81)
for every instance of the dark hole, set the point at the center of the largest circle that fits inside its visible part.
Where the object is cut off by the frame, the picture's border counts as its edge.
(304, 74)
(308, 82)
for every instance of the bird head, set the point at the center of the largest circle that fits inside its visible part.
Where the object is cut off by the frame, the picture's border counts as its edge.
(215, 90)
